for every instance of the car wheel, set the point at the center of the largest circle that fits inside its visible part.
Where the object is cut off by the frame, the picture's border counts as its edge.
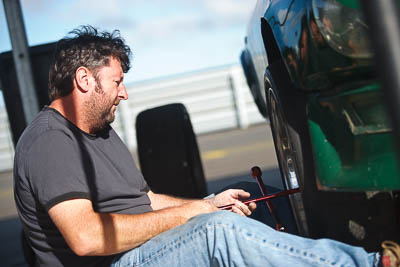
(288, 127)
(283, 143)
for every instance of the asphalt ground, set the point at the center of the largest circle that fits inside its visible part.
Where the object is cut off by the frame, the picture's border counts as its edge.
(227, 158)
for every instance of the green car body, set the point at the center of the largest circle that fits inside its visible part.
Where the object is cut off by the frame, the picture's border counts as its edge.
(352, 140)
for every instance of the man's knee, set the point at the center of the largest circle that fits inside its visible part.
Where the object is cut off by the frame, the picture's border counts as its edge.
(220, 217)
(212, 217)
(227, 220)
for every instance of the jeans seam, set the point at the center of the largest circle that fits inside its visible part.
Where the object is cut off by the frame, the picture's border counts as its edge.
(174, 243)
(283, 248)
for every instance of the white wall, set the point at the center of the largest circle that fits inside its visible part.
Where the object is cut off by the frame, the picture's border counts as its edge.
(216, 99)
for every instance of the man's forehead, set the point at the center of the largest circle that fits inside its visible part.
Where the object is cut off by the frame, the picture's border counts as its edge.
(114, 67)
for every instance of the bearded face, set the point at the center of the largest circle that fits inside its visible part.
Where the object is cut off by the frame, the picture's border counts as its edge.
(100, 109)
(106, 92)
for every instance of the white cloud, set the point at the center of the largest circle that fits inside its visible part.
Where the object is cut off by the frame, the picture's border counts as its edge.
(176, 33)
(232, 10)
(196, 17)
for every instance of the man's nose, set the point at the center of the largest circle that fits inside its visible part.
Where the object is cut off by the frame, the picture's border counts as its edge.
(122, 93)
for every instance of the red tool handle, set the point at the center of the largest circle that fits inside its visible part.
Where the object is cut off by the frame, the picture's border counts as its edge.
(256, 173)
(279, 194)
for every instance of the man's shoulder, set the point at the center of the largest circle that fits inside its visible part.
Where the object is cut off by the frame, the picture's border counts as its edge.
(47, 124)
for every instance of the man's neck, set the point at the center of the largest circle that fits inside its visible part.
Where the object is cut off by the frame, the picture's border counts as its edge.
(70, 110)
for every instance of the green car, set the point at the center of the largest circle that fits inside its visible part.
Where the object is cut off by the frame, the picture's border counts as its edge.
(312, 61)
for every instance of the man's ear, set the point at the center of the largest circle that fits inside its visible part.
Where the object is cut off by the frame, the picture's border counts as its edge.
(83, 79)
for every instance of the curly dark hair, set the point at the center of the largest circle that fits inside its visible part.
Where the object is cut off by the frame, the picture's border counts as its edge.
(87, 47)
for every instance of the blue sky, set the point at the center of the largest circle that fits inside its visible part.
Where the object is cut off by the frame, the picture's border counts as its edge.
(167, 36)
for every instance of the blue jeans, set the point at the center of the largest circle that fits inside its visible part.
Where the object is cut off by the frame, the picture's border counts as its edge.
(226, 239)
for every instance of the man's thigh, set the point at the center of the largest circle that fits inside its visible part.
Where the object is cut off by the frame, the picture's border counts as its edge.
(226, 239)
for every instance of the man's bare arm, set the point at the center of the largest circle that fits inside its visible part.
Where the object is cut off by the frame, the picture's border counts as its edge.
(231, 196)
(162, 201)
(90, 233)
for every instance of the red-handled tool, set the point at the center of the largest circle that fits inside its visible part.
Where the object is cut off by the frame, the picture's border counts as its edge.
(256, 174)
(255, 200)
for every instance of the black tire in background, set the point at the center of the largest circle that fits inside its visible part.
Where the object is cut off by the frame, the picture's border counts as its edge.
(168, 153)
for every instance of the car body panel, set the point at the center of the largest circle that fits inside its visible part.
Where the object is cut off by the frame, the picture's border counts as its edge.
(339, 131)
(352, 141)
(311, 62)
(254, 43)
(314, 67)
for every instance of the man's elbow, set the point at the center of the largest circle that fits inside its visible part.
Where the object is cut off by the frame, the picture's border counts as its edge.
(81, 250)
(82, 245)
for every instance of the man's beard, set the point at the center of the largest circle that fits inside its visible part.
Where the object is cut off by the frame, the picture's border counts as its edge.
(98, 110)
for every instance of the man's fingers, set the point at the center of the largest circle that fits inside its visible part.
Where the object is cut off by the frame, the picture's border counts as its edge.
(245, 210)
(252, 206)
(242, 194)
(237, 211)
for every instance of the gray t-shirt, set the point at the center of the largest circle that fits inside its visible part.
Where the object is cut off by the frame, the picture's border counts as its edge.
(56, 161)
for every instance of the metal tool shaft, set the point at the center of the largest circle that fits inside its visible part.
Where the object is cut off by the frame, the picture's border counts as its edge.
(271, 196)
(256, 173)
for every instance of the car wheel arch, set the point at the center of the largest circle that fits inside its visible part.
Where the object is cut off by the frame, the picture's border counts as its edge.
(273, 52)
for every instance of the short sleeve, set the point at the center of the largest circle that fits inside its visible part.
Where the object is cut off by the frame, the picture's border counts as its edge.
(56, 169)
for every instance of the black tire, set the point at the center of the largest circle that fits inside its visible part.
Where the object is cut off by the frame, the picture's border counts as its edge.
(168, 153)
(286, 109)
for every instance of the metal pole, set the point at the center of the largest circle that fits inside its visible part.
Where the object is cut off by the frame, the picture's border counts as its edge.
(382, 16)
(22, 62)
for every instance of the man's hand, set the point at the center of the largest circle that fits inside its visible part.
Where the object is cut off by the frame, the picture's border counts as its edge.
(235, 197)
